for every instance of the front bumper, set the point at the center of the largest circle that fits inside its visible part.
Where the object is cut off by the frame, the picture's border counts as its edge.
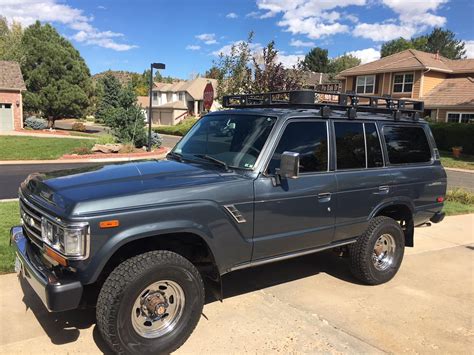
(56, 294)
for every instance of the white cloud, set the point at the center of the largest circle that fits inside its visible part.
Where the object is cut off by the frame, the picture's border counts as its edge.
(312, 18)
(28, 11)
(414, 17)
(299, 43)
(289, 60)
(207, 38)
(469, 45)
(253, 14)
(231, 15)
(193, 47)
(366, 55)
(101, 7)
(226, 50)
(352, 18)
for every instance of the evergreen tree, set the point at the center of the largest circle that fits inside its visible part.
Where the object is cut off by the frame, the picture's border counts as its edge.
(317, 60)
(343, 62)
(57, 78)
(10, 41)
(109, 96)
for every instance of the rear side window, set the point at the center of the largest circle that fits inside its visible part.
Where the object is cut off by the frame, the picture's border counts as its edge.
(309, 139)
(406, 145)
(350, 145)
(374, 151)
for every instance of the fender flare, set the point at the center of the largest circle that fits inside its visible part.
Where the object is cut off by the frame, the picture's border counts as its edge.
(405, 201)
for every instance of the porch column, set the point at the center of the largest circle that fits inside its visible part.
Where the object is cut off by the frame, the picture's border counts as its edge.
(196, 108)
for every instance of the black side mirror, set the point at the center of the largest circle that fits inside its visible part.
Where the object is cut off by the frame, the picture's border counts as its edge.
(289, 166)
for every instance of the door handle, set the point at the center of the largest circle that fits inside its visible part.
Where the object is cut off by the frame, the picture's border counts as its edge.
(324, 197)
(383, 190)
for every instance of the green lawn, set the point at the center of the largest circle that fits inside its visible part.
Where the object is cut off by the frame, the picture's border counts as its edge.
(38, 148)
(464, 162)
(9, 217)
(179, 130)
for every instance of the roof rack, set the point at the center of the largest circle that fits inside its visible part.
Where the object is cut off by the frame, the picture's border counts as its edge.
(327, 101)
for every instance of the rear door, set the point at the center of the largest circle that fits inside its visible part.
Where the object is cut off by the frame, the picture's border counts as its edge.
(298, 214)
(363, 182)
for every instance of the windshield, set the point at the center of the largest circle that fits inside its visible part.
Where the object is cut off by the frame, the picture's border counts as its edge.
(235, 140)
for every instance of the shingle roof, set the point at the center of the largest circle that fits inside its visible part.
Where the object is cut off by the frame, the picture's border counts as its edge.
(194, 87)
(412, 59)
(179, 105)
(451, 92)
(10, 76)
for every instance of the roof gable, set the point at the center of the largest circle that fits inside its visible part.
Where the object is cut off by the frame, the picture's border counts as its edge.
(10, 76)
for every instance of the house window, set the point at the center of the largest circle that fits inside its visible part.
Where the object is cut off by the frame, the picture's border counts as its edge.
(155, 96)
(461, 117)
(403, 82)
(365, 84)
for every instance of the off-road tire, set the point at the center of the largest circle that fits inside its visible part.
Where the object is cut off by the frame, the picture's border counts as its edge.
(122, 287)
(361, 251)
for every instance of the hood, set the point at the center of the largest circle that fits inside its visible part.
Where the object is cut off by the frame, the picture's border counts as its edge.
(83, 190)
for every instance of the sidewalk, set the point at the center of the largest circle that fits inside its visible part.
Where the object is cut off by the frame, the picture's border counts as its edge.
(53, 134)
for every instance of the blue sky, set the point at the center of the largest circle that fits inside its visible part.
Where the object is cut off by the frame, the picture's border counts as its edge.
(187, 35)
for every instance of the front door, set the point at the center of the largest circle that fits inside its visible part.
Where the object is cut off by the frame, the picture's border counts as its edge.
(297, 214)
(6, 118)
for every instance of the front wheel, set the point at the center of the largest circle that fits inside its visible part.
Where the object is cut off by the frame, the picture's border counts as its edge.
(150, 303)
(377, 255)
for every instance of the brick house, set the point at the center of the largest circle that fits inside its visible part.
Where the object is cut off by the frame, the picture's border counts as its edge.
(446, 86)
(11, 103)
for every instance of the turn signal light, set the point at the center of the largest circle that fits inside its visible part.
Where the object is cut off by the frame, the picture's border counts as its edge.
(440, 199)
(55, 256)
(109, 224)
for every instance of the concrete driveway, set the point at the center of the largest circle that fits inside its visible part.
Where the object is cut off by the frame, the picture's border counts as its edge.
(305, 305)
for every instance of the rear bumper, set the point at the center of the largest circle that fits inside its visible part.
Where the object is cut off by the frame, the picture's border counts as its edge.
(56, 294)
(437, 217)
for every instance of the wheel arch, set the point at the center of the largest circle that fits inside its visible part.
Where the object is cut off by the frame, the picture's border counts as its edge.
(402, 212)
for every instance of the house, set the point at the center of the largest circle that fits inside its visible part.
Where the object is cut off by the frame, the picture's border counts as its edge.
(172, 102)
(11, 100)
(320, 81)
(446, 86)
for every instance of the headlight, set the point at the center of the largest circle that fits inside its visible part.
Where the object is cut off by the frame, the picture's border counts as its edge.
(70, 241)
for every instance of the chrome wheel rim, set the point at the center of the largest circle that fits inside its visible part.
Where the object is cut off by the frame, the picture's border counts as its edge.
(158, 308)
(384, 252)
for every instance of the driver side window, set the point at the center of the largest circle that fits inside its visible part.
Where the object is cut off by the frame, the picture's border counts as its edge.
(309, 139)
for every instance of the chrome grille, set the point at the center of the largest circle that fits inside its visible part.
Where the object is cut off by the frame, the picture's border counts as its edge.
(31, 220)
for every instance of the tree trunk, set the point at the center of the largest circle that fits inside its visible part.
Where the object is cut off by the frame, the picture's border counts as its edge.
(51, 121)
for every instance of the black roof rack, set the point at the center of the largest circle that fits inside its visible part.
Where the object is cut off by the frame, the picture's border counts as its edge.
(327, 101)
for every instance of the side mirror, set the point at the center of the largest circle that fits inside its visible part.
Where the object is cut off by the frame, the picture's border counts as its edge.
(289, 165)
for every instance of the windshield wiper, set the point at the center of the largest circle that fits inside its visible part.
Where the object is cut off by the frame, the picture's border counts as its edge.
(214, 160)
(174, 155)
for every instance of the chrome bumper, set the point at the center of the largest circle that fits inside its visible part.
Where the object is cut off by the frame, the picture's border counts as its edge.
(56, 294)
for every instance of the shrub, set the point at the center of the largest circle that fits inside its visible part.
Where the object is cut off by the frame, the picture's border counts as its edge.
(128, 148)
(36, 123)
(179, 130)
(448, 135)
(90, 118)
(79, 127)
(156, 140)
(461, 196)
(106, 139)
(82, 150)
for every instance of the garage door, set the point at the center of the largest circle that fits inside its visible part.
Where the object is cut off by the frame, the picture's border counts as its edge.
(6, 117)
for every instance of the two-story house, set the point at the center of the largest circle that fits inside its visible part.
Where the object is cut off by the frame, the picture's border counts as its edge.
(172, 102)
(446, 86)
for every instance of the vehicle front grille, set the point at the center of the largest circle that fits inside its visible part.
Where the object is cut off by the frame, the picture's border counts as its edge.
(31, 219)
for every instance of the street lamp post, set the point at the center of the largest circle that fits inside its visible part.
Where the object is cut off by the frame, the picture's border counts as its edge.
(152, 66)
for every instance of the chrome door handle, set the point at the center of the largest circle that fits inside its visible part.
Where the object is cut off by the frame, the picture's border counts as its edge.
(383, 190)
(324, 197)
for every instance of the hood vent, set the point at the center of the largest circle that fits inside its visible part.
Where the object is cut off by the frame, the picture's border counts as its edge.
(235, 213)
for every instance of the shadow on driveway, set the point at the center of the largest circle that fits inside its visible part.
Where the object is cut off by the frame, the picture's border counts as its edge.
(65, 327)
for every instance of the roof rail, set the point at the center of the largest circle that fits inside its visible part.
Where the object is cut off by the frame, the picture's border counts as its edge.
(327, 101)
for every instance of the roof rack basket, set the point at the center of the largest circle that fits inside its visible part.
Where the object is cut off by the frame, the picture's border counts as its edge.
(326, 101)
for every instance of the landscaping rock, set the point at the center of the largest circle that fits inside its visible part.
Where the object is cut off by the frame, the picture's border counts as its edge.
(107, 148)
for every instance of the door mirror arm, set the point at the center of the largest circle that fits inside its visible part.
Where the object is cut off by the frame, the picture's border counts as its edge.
(289, 168)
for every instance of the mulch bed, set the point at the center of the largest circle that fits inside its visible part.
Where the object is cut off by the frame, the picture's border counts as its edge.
(153, 154)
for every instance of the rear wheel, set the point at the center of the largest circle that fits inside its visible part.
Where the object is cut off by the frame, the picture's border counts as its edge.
(378, 253)
(150, 303)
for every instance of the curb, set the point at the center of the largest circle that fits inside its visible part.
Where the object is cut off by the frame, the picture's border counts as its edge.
(79, 161)
(460, 170)
(9, 200)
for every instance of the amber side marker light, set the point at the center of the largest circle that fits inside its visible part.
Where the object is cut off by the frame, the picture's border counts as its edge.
(109, 224)
(55, 256)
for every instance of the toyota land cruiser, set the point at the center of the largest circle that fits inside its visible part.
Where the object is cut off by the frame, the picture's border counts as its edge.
(276, 176)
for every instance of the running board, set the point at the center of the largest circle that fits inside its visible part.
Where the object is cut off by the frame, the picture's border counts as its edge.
(292, 255)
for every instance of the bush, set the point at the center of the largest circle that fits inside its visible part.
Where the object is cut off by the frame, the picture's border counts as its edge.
(448, 135)
(179, 130)
(79, 127)
(156, 140)
(82, 150)
(106, 139)
(36, 123)
(461, 196)
(128, 148)
(90, 118)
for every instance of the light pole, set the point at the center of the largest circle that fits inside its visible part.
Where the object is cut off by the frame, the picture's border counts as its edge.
(152, 66)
